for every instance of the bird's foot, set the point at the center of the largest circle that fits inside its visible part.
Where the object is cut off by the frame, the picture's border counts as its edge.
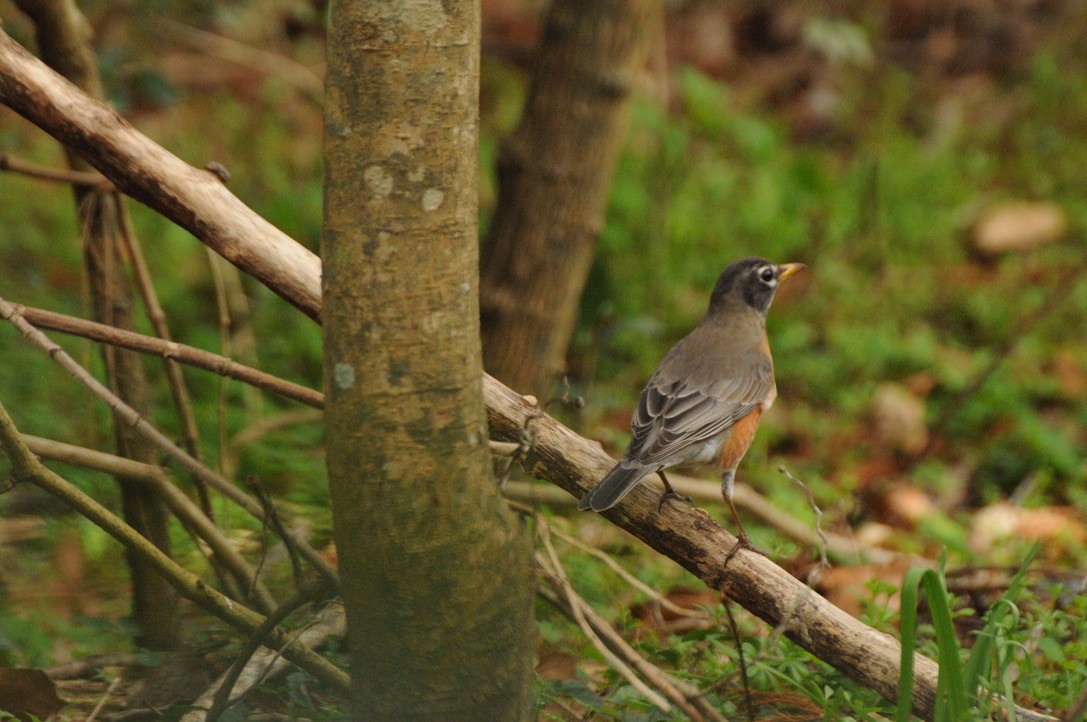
(742, 542)
(671, 494)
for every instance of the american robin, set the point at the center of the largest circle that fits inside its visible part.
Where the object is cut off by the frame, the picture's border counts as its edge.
(705, 399)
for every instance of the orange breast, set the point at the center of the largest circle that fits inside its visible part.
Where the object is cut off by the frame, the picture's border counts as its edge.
(738, 439)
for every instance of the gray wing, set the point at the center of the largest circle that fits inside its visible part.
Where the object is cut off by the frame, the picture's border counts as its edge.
(673, 414)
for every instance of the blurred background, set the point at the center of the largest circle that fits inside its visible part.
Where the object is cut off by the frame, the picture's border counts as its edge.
(927, 159)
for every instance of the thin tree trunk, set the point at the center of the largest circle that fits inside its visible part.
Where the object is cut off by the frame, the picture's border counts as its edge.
(63, 37)
(554, 175)
(437, 576)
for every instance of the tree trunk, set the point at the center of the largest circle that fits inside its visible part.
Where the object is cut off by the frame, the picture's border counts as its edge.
(63, 37)
(554, 175)
(437, 578)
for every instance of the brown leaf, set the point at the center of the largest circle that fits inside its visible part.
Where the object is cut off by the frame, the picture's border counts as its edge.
(908, 503)
(900, 418)
(847, 587)
(28, 692)
(1070, 374)
(1018, 227)
(556, 664)
(663, 621)
(1057, 527)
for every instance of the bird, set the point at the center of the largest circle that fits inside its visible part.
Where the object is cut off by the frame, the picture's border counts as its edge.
(705, 399)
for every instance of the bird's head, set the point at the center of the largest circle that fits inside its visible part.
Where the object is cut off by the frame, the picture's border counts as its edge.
(752, 281)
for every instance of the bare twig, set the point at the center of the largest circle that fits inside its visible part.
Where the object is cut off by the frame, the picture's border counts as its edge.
(823, 543)
(188, 355)
(555, 570)
(315, 591)
(224, 348)
(233, 51)
(157, 317)
(329, 622)
(194, 519)
(142, 426)
(272, 516)
(102, 702)
(629, 578)
(26, 468)
(57, 175)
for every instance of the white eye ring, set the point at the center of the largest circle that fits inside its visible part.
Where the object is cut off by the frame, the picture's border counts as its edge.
(766, 274)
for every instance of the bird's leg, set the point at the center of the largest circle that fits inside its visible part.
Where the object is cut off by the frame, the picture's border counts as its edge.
(728, 480)
(669, 492)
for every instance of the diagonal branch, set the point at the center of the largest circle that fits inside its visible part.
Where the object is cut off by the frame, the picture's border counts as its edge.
(155, 478)
(188, 355)
(25, 467)
(194, 199)
(555, 572)
(150, 432)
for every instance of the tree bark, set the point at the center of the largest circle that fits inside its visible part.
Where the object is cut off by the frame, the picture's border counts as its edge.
(437, 575)
(554, 175)
(63, 36)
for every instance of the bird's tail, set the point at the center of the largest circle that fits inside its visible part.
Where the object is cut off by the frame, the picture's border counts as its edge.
(613, 487)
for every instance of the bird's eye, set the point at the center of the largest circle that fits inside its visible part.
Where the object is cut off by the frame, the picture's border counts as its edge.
(767, 274)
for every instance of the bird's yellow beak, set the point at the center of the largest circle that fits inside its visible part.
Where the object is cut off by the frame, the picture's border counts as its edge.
(787, 269)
